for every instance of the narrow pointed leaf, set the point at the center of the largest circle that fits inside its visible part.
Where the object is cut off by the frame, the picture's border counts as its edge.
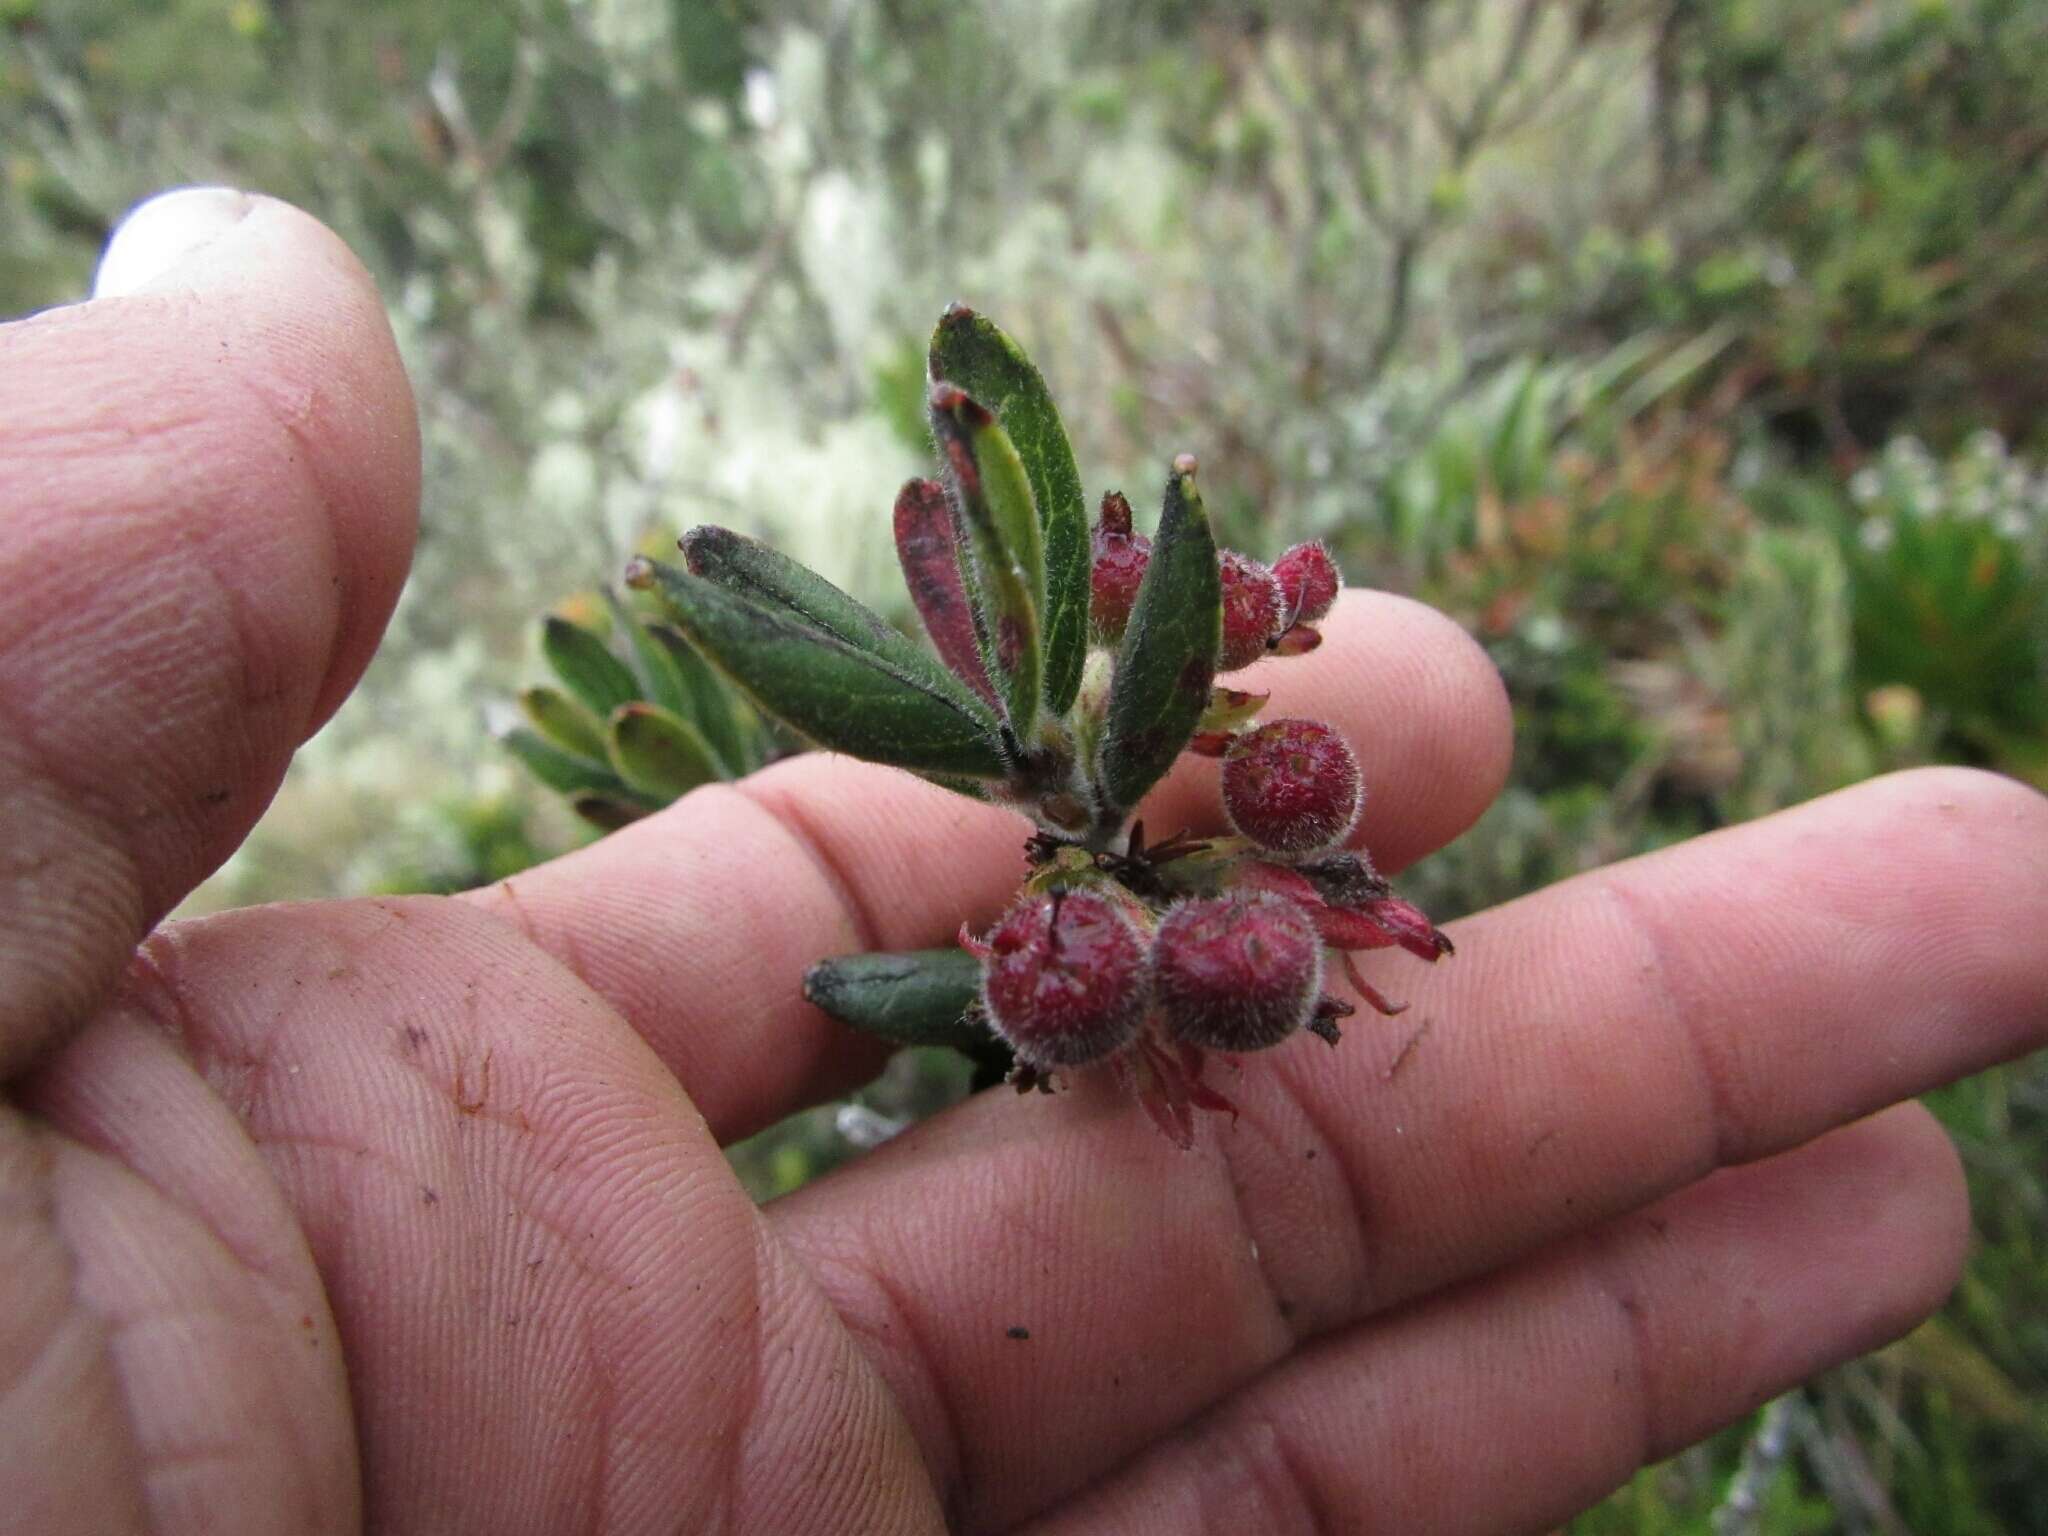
(563, 722)
(841, 696)
(930, 557)
(1167, 662)
(1004, 566)
(772, 580)
(915, 997)
(587, 667)
(726, 720)
(568, 772)
(660, 753)
(974, 353)
(659, 679)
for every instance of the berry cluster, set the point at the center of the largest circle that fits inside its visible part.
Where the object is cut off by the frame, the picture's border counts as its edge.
(1144, 959)
(1069, 669)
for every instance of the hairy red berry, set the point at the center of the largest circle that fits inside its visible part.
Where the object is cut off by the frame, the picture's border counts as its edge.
(1309, 580)
(1251, 609)
(1238, 972)
(1291, 785)
(1120, 560)
(1064, 979)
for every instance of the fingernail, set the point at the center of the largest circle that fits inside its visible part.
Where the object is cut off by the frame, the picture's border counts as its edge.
(159, 234)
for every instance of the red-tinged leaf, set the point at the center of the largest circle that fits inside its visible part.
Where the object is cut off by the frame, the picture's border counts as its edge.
(931, 568)
(1259, 875)
(1410, 928)
(1344, 928)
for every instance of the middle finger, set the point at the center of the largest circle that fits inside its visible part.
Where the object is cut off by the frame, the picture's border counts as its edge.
(1597, 1046)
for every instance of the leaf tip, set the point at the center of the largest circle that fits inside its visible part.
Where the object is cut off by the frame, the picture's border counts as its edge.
(703, 544)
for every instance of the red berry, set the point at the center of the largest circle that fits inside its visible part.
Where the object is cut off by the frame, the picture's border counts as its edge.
(1064, 979)
(1120, 560)
(1251, 609)
(1308, 582)
(1238, 972)
(1291, 785)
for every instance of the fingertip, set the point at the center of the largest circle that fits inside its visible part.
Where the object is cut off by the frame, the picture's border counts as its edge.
(1420, 702)
(292, 320)
(209, 483)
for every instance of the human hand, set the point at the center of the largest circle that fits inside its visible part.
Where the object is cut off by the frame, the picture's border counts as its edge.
(410, 1214)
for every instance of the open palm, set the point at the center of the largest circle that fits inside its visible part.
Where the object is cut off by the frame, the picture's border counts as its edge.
(410, 1215)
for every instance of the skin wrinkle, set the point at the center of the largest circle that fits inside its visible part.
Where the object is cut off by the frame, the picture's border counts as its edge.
(602, 1414)
(1725, 1143)
(1329, 1169)
(1252, 1451)
(746, 1404)
(1281, 1307)
(790, 818)
(884, 1325)
(1604, 1253)
(276, 1288)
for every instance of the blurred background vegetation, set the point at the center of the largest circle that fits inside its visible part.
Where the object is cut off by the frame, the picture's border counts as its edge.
(1693, 353)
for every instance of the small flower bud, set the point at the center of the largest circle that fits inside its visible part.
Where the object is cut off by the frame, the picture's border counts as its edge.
(1291, 785)
(1120, 560)
(1239, 972)
(1063, 979)
(1309, 580)
(1251, 610)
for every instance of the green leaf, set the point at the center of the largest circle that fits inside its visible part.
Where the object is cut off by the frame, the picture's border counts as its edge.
(1004, 561)
(972, 352)
(658, 752)
(587, 667)
(844, 697)
(659, 679)
(725, 719)
(1167, 661)
(915, 997)
(770, 579)
(566, 772)
(563, 722)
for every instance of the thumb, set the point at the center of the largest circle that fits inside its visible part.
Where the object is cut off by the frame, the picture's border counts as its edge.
(209, 483)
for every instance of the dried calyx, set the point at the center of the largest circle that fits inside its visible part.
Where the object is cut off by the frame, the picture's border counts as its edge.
(1069, 667)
